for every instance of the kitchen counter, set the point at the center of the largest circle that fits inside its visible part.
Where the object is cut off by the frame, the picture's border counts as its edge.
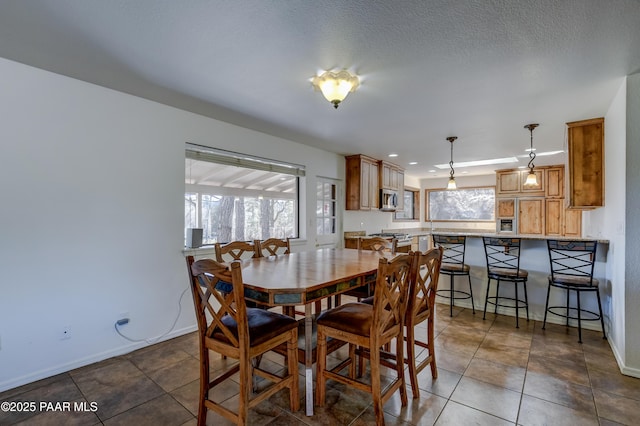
(417, 232)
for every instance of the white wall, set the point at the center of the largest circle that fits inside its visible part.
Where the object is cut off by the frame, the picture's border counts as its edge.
(92, 184)
(608, 223)
(632, 226)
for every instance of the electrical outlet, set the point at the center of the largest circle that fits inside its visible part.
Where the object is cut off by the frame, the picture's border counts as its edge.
(65, 334)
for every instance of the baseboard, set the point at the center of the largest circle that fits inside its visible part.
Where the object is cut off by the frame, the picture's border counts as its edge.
(63, 368)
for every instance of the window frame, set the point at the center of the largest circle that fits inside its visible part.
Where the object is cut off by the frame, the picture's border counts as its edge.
(427, 212)
(416, 206)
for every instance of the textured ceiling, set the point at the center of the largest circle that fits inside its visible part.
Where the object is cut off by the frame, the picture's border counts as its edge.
(479, 70)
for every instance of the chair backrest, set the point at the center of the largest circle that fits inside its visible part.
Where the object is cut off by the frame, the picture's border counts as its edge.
(212, 306)
(425, 271)
(379, 244)
(572, 258)
(391, 294)
(273, 247)
(453, 246)
(502, 253)
(235, 250)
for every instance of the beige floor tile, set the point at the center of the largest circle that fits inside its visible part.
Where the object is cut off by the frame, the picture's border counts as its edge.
(617, 408)
(573, 370)
(538, 412)
(455, 414)
(555, 390)
(505, 376)
(163, 410)
(419, 411)
(616, 383)
(491, 399)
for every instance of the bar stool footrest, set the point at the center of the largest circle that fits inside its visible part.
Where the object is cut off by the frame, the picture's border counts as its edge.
(492, 301)
(593, 316)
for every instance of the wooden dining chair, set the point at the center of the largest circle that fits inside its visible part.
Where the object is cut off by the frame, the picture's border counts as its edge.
(423, 285)
(273, 247)
(369, 327)
(425, 272)
(235, 250)
(386, 247)
(228, 327)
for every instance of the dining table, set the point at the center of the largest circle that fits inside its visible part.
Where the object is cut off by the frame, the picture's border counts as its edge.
(302, 278)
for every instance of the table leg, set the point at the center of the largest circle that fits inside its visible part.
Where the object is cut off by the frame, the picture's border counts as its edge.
(308, 359)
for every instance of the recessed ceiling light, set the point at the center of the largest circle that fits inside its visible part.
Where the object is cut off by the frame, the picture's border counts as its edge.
(393, 155)
(465, 172)
(479, 162)
(529, 149)
(413, 163)
(432, 171)
(522, 167)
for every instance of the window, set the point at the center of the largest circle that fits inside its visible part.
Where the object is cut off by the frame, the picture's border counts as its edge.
(237, 197)
(411, 209)
(465, 204)
(326, 206)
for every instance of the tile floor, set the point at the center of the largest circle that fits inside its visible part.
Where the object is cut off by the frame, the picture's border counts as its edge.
(490, 373)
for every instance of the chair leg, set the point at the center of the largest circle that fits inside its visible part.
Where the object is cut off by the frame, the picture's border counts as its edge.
(292, 367)
(495, 311)
(451, 295)
(376, 387)
(526, 299)
(411, 360)
(471, 294)
(321, 366)
(431, 346)
(400, 369)
(204, 387)
(352, 356)
(546, 307)
(579, 317)
(604, 334)
(246, 375)
(515, 284)
(486, 299)
(568, 308)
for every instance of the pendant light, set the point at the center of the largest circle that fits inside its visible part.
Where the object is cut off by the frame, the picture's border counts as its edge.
(532, 179)
(452, 180)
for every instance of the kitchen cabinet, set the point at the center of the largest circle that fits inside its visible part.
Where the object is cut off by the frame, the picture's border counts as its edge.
(389, 176)
(400, 190)
(506, 208)
(573, 223)
(507, 182)
(554, 182)
(362, 190)
(554, 217)
(533, 189)
(531, 216)
(586, 163)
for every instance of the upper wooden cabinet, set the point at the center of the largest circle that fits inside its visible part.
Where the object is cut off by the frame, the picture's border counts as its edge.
(554, 182)
(506, 208)
(362, 192)
(511, 182)
(391, 176)
(586, 163)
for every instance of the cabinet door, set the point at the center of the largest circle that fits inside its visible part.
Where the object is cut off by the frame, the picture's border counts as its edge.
(506, 208)
(554, 217)
(554, 185)
(508, 182)
(400, 206)
(365, 185)
(573, 223)
(374, 192)
(586, 163)
(531, 216)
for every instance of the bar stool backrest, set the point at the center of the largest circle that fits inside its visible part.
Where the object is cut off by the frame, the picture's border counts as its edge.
(572, 260)
(503, 254)
(453, 246)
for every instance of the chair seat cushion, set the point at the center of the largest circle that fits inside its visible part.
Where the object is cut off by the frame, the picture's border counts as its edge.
(454, 267)
(355, 318)
(576, 281)
(263, 326)
(508, 273)
(368, 300)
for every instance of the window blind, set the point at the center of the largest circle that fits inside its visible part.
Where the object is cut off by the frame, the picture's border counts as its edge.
(230, 158)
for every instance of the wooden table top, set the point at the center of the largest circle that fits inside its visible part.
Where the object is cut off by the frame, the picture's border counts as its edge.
(303, 277)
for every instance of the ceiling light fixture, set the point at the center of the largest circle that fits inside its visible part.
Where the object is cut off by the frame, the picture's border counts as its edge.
(335, 86)
(532, 180)
(452, 180)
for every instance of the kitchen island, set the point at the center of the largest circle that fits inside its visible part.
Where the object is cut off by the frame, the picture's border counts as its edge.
(535, 259)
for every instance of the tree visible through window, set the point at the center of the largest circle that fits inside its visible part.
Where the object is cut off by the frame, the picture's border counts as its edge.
(234, 203)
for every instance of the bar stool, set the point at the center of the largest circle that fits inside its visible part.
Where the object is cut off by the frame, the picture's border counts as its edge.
(453, 265)
(572, 265)
(503, 264)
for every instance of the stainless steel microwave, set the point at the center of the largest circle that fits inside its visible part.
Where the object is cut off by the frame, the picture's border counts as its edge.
(388, 200)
